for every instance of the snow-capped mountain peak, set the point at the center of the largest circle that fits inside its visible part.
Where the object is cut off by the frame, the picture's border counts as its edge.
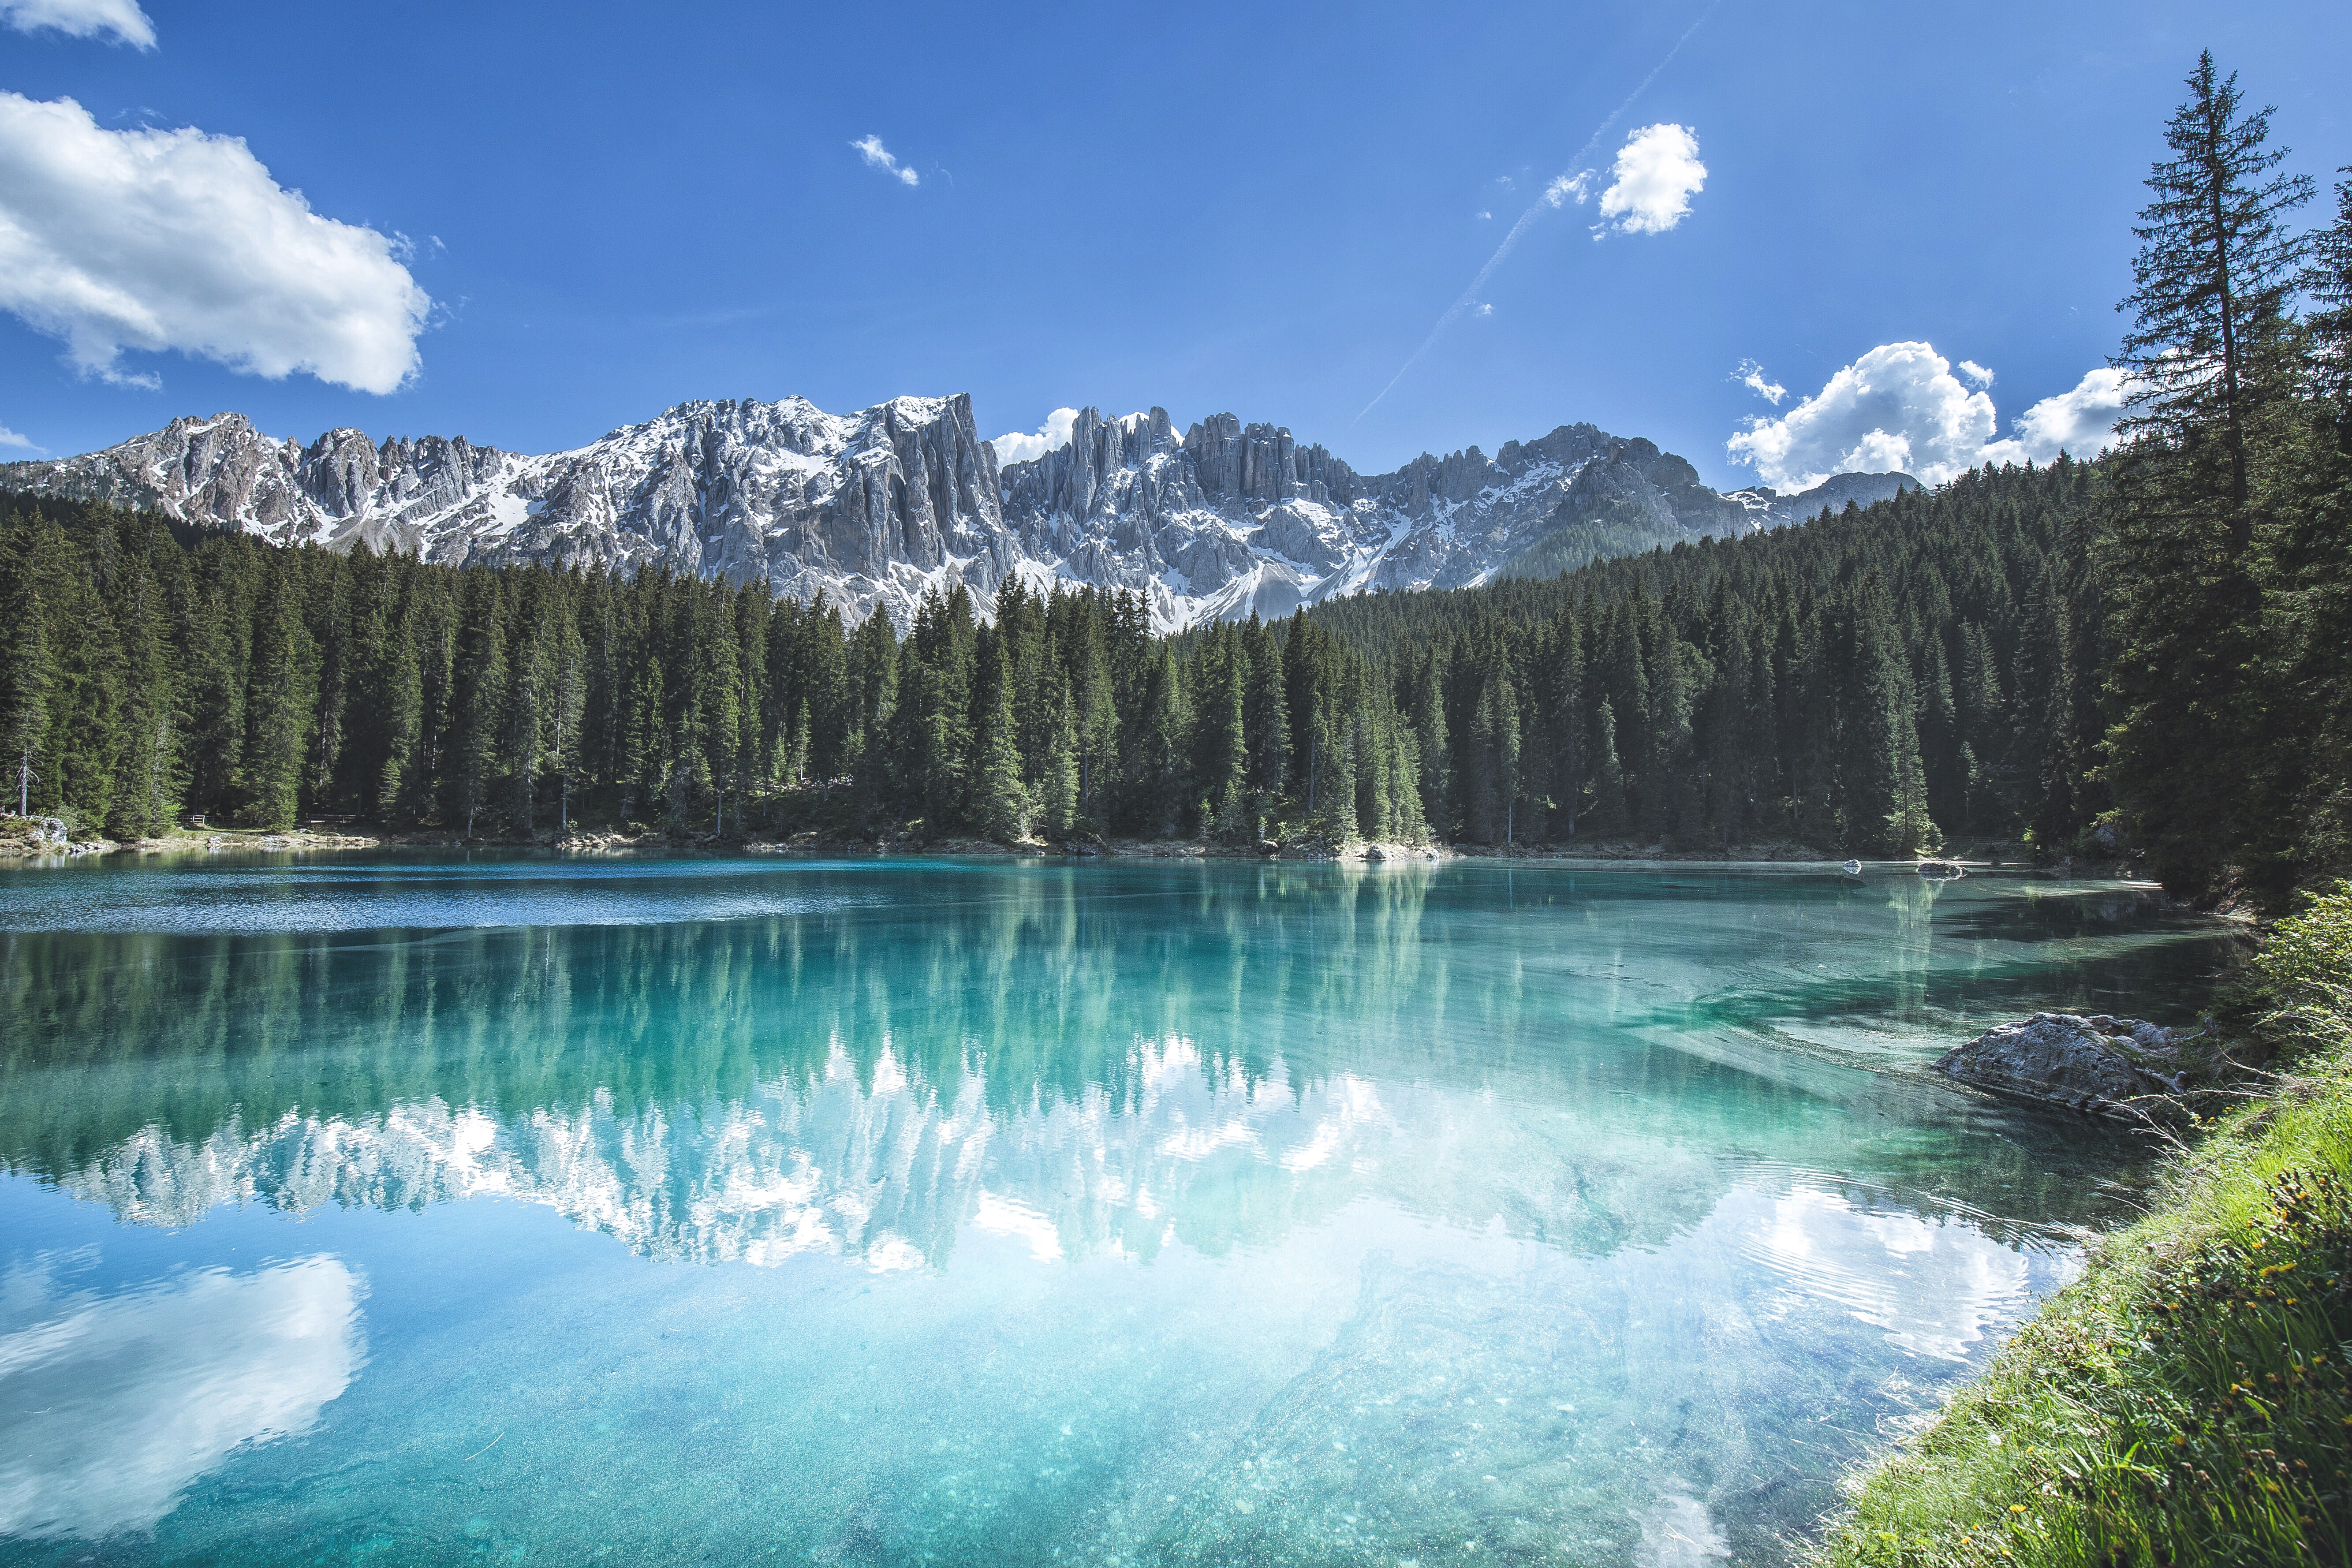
(875, 508)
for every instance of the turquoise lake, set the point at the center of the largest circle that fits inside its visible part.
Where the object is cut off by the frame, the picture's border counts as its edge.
(382, 1209)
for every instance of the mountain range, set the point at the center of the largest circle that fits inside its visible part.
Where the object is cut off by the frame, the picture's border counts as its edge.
(875, 508)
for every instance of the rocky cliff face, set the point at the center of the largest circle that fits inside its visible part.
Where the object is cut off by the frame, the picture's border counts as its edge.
(873, 508)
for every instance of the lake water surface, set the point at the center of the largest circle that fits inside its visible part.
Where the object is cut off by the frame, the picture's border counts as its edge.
(442, 1210)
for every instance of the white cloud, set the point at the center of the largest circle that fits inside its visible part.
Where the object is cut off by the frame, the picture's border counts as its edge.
(1485, 214)
(1485, 310)
(10, 438)
(160, 240)
(82, 19)
(1751, 375)
(1899, 406)
(1657, 172)
(2080, 422)
(110, 1407)
(1050, 437)
(877, 156)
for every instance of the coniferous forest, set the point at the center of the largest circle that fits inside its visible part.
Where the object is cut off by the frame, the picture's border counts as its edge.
(2147, 654)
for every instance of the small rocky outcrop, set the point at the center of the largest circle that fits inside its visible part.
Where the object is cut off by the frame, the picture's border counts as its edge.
(2097, 1065)
(31, 836)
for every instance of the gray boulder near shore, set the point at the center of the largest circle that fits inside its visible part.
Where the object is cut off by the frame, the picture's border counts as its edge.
(2098, 1065)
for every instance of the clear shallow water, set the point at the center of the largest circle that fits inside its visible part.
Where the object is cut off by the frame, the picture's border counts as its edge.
(400, 1211)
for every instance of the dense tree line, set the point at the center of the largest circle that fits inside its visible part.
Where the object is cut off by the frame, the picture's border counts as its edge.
(1856, 682)
(2148, 650)
(149, 674)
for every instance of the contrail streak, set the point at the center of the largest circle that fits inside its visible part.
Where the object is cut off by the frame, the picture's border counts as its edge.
(1543, 203)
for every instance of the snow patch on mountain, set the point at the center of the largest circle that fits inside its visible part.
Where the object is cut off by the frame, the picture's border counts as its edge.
(874, 508)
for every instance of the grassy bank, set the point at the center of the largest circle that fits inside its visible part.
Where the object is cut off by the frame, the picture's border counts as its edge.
(2188, 1400)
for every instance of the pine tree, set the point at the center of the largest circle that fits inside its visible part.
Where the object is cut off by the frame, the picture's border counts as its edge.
(718, 702)
(327, 615)
(871, 675)
(567, 700)
(147, 764)
(2212, 281)
(1495, 743)
(481, 706)
(25, 680)
(2208, 350)
(217, 629)
(1095, 717)
(1266, 714)
(1221, 760)
(2327, 282)
(403, 792)
(1000, 800)
(1564, 721)
(1610, 819)
(1885, 785)
(1426, 712)
(278, 700)
(1152, 759)
(436, 663)
(522, 739)
(86, 689)
(1057, 773)
(373, 602)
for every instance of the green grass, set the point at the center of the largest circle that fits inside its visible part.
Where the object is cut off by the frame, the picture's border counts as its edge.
(2188, 1400)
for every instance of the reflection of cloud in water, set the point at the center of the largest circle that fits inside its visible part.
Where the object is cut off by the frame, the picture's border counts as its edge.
(1935, 1287)
(110, 1407)
(1011, 1217)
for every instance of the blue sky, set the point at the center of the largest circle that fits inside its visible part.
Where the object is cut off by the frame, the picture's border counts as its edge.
(1261, 209)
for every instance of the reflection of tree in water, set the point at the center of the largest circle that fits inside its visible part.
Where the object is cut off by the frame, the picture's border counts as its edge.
(1211, 1054)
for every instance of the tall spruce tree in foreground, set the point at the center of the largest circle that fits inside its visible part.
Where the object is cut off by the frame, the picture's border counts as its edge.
(2207, 350)
(2210, 356)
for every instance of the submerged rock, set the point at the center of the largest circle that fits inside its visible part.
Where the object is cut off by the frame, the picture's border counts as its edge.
(2098, 1065)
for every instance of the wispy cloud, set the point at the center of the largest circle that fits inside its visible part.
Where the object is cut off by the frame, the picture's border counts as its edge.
(1568, 188)
(1750, 374)
(877, 156)
(1976, 373)
(123, 19)
(10, 440)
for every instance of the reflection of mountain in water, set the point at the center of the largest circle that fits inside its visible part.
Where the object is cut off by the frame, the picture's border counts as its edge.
(1087, 1064)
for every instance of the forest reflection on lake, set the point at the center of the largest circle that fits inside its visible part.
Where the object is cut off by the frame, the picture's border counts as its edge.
(1010, 1212)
